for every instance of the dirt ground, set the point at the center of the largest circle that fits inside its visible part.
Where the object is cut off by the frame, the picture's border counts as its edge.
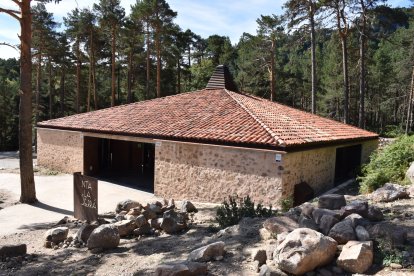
(141, 256)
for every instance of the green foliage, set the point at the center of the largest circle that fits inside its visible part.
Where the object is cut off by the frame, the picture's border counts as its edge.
(392, 131)
(388, 165)
(385, 255)
(233, 210)
(286, 203)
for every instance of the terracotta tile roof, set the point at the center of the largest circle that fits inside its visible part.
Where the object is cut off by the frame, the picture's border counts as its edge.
(214, 116)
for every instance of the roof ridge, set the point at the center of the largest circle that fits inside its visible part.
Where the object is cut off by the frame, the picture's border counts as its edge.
(274, 136)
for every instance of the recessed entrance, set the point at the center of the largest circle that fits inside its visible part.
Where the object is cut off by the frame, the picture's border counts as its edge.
(122, 162)
(348, 160)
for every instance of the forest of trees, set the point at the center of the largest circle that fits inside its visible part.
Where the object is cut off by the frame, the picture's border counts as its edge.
(349, 60)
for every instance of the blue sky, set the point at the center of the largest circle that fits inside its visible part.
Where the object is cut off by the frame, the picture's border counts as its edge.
(204, 17)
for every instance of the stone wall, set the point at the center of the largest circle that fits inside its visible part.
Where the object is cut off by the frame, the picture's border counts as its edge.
(60, 150)
(317, 166)
(208, 173)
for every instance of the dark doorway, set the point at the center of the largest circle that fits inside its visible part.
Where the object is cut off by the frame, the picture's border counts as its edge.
(122, 162)
(348, 161)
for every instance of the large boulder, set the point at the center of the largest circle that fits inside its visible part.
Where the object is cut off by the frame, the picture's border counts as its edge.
(361, 233)
(170, 225)
(326, 223)
(307, 222)
(213, 251)
(356, 256)
(410, 174)
(105, 236)
(389, 192)
(125, 227)
(127, 205)
(318, 213)
(56, 235)
(331, 201)
(342, 232)
(359, 207)
(181, 269)
(85, 231)
(307, 209)
(303, 250)
(375, 213)
(277, 225)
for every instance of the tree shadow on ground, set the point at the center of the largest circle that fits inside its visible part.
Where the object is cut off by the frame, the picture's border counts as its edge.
(48, 207)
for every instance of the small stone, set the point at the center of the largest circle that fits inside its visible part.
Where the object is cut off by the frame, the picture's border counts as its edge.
(141, 220)
(126, 205)
(260, 256)
(208, 252)
(154, 207)
(187, 206)
(395, 266)
(149, 214)
(105, 236)
(136, 211)
(125, 227)
(56, 235)
(331, 201)
(84, 232)
(145, 229)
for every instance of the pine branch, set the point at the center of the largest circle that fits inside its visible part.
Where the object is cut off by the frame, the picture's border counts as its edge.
(18, 3)
(10, 45)
(12, 13)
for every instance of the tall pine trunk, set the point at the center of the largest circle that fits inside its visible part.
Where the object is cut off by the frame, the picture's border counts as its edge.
(272, 71)
(129, 77)
(62, 91)
(313, 56)
(158, 49)
(78, 74)
(147, 87)
(38, 83)
(345, 78)
(50, 88)
(361, 117)
(113, 66)
(28, 191)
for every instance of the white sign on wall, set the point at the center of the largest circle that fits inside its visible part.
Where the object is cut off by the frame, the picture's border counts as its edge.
(278, 157)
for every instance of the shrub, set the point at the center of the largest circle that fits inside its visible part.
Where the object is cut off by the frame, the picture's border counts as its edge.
(385, 255)
(388, 165)
(286, 204)
(235, 208)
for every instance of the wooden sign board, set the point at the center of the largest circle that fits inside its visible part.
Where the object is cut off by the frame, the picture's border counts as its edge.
(85, 200)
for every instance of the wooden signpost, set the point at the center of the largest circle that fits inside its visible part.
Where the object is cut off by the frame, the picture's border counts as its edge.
(85, 191)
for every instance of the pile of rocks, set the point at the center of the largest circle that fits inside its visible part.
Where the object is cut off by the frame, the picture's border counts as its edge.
(131, 219)
(310, 237)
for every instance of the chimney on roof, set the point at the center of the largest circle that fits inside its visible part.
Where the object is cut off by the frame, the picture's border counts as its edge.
(222, 78)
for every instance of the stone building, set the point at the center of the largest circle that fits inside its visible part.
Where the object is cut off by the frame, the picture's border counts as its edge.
(207, 144)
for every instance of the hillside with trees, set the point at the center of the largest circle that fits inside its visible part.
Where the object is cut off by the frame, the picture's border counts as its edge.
(351, 61)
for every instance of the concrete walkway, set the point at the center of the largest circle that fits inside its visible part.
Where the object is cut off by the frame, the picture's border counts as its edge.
(55, 195)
